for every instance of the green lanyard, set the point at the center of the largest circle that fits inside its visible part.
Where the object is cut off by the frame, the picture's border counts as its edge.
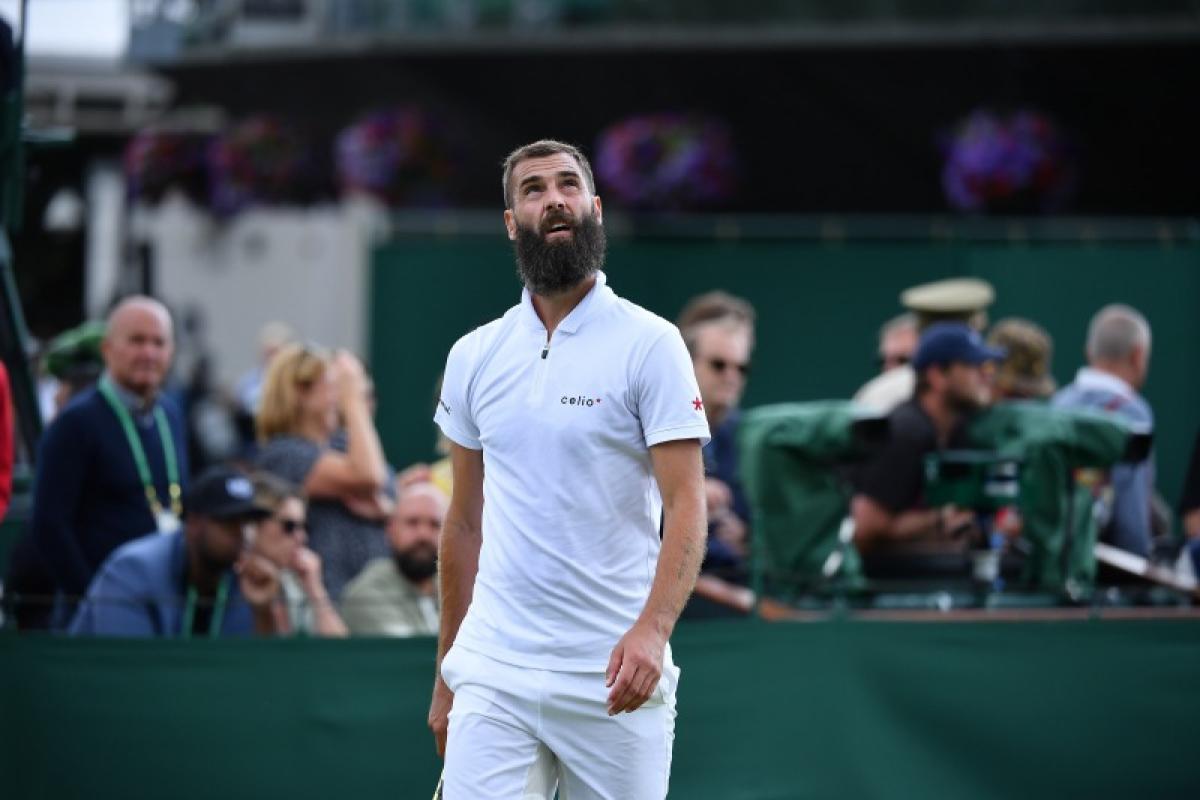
(139, 454)
(218, 614)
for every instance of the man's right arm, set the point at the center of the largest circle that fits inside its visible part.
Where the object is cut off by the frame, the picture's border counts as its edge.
(458, 562)
(875, 523)
(62, 464)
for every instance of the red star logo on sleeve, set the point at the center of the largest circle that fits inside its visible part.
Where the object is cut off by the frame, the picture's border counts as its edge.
(698, 404)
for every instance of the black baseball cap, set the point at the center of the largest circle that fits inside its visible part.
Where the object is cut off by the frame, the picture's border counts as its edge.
(953, 343)
(224, 493)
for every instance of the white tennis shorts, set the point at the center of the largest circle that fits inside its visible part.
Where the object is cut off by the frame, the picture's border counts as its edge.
(521, 733)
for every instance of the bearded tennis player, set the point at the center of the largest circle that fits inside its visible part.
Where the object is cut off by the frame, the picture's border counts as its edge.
(576, 427)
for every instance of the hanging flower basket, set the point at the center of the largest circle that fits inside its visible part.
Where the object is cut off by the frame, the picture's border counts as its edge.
(156, 162)
(1019, 163)
(402, 156)
(668, 162)
(260, 161)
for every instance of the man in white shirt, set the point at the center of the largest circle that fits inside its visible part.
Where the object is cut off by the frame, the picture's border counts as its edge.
(558, 594)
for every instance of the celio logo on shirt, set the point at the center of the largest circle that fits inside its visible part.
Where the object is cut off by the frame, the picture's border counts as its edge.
(579, 401)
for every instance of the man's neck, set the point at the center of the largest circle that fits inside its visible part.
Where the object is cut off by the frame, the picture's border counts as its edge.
(716, 415)
(137, 400)
(552, 310)
(200, 577)
(425, 588)
(944, 418)
(313, 431)
(1121, 371)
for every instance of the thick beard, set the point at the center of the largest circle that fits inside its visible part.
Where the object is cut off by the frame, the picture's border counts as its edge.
(965, 404)
(551, 268)
(418, 563)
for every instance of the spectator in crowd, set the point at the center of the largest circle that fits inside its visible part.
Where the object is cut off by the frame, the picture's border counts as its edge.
(1189, 507)
(888, 505)
(273, 337)
(397, 595)
(74, 361)
(1118, 355)
(307, 396)
(303, 605)
(194, 581)
(897, 341)
(1024, 373)
(113, 465)
(718, 330)
(247, 390)
(953, 300)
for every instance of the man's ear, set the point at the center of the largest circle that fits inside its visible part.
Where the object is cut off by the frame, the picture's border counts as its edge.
(510, 224)
(1140, 358)
(598, 207)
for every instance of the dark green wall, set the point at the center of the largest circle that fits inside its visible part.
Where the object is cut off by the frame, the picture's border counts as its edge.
(819, 308)
(827, 710)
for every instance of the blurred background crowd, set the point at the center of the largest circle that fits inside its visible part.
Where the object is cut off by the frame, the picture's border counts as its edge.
(936, 268)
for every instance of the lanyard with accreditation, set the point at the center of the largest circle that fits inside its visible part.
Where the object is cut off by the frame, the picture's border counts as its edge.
(167, 521)
(218, 611)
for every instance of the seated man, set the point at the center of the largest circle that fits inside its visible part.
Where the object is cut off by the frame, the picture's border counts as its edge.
(888, 505)
(1118, 355)
(194, 581)
(397, 596)
(718, 330)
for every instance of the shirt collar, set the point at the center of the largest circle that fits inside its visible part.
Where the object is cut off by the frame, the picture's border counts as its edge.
(131, 401)
(1092, 378)
(597, 298)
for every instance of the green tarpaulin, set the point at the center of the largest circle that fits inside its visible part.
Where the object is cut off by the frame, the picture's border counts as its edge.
(825, 710)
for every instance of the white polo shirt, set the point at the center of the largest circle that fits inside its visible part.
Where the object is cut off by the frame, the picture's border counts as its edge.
(571, 509)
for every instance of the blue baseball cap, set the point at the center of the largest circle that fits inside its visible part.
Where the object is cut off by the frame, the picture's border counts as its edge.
(953, 343)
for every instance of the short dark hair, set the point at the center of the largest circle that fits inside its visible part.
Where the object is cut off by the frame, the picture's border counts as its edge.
(714, 307)
(541, 149)
(273, 489)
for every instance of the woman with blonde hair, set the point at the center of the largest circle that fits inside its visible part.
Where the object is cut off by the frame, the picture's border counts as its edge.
(308, 396)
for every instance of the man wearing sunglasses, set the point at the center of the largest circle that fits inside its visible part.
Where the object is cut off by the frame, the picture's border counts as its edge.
(718, 329)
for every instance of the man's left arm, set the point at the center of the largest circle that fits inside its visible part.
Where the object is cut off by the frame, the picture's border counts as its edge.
(636, 664)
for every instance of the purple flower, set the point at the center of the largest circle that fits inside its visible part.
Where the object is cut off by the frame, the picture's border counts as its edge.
(158, 161)
(667, 162)
(258, 161)
(403, 156)
(1018, 163)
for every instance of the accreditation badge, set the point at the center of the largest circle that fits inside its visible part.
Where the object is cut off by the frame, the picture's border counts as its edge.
(167, 521)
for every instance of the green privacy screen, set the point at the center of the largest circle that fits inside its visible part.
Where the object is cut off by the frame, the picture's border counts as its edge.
(823, 710)
(819, 305)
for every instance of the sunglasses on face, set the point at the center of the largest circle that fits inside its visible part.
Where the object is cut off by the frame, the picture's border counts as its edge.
(892, 361)
(291, 526)
(720, 365)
